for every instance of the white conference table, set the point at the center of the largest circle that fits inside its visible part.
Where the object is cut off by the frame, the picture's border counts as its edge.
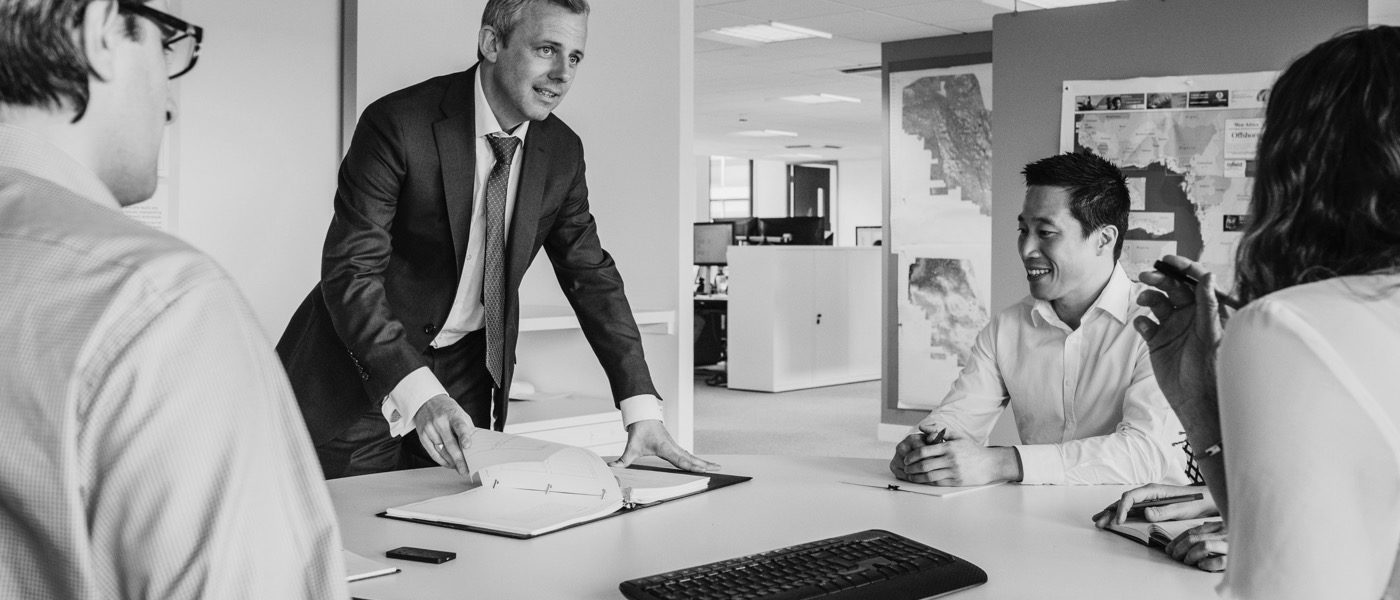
(1033, 541)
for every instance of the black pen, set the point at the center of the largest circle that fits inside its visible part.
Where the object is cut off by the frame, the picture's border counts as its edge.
(940, 438)
(1181, 276)
(1168, 500)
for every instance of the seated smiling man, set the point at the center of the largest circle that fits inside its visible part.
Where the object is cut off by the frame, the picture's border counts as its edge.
(1066, 358)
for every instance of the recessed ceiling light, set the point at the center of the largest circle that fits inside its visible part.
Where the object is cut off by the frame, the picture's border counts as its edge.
(765, 34)
(822, 98)
(764, 133)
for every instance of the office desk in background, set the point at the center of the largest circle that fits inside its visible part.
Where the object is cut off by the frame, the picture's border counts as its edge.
(1033, 541)
(711, 314)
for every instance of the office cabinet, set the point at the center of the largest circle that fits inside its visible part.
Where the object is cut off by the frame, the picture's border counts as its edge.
(803, 316)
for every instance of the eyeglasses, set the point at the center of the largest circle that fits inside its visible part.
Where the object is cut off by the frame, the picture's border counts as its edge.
(179, 39)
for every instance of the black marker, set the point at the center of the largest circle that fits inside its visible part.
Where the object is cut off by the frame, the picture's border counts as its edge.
(1181, 276)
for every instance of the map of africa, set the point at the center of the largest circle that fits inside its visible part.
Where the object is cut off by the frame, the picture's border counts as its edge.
(1188, 155)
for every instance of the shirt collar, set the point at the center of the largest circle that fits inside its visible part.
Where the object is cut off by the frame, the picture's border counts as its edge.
(486, 123)
(26, 151)
(1115, 300)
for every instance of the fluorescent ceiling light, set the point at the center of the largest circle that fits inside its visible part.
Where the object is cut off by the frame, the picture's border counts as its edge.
(764, 133)
(822, 98)
(767, 34)
(794, 155)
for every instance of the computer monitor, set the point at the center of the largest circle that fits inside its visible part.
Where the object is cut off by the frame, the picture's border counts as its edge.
(808, 231)
(869, 235)
(743, 226)
(712, 241)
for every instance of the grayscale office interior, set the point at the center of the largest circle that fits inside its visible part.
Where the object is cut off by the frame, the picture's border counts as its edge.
(704, 109)
(772, 178)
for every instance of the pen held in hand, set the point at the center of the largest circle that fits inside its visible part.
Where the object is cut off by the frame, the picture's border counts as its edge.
(1181, 276)
(940, 438)
(1167, 500)
(1137, 510)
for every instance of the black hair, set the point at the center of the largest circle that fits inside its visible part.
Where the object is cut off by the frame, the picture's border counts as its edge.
(1098, 192)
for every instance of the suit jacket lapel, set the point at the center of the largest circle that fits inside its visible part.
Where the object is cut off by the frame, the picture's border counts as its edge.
(456, 144)
(529, 200)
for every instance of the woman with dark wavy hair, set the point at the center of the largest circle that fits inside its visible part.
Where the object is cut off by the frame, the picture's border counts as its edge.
(1304, 431)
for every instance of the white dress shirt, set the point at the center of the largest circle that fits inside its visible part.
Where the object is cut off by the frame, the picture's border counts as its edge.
(467, 313)
(150, 445)
(1085, 400)
(1309, 381)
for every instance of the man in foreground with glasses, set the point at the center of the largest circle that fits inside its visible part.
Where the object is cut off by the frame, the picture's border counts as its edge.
(149, 444)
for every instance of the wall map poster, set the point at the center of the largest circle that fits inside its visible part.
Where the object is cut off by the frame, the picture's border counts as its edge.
(1187, 147)
(940, 222)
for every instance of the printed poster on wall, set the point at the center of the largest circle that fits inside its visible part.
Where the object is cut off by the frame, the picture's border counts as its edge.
(1187, 146)
(940, 222)
(942, 307)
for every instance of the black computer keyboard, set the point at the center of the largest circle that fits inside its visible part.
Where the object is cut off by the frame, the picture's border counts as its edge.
(870, 564)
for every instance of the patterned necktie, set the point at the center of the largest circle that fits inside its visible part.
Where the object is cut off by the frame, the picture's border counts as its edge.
(1193, 470)
(493, 297)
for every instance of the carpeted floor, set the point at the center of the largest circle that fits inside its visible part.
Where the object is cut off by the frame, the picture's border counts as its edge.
(830, 421)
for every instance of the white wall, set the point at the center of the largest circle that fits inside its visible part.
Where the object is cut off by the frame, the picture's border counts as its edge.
(770, 188)
(701, 202)
(258, 131)
(858, 199)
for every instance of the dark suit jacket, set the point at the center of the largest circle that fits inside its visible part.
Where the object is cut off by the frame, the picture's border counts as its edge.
(395, 248)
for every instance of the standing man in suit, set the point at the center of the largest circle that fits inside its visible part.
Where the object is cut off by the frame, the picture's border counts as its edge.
(448, 191)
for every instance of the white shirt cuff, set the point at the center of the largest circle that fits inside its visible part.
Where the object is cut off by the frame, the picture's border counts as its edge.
(644, 407)
(1041, 464)
(412, 392)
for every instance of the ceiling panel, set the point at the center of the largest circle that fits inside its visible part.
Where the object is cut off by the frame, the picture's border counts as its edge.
(777, 10)
(872, 27)
(715, 18)
(943, 11)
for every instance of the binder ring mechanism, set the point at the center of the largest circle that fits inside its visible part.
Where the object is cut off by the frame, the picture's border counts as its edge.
(602, 494)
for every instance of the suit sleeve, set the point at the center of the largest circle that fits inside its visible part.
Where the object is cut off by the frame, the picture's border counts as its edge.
(591, 282)
(357, 251)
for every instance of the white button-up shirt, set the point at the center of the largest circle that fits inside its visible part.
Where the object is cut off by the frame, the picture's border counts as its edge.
(150, 445)
(1085, 400)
